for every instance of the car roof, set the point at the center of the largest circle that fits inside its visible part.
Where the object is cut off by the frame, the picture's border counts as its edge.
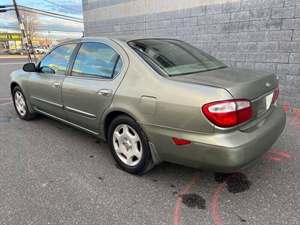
(122, 38)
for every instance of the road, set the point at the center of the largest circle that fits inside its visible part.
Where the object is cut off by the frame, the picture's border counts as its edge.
(51, 173)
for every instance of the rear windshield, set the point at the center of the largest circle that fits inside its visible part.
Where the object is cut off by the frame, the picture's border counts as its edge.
(175, 57)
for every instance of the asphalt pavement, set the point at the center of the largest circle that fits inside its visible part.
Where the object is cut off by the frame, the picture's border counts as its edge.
(51, 173)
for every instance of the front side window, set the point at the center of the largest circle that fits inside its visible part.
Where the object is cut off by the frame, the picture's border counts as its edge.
(57, 61)
(97, 59)
(175, 57)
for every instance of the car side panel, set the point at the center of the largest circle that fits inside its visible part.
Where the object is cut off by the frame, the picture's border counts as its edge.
(159, 101)
(83, 101)
(45, 93)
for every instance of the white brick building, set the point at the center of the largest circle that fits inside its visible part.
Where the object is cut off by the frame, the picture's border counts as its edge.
(256, 34)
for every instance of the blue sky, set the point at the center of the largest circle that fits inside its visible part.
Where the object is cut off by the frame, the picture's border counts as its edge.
(54, 26)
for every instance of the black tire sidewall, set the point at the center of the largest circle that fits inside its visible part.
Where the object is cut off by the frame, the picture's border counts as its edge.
(142, 165)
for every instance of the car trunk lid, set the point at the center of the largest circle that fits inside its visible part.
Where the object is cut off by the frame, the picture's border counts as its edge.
(257, 87)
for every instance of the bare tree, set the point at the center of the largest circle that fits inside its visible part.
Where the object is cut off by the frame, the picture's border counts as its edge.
(30, 23)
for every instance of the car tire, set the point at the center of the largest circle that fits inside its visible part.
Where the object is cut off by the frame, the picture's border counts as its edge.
(129, 145)
(20, 104)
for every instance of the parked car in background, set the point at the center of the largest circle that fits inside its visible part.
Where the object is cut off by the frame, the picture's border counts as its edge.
(40, 50)
(154, 100)
(17, 51)
(20, 51)
(3, 51)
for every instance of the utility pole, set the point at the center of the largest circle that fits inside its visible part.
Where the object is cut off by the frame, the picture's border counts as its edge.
(25, 39)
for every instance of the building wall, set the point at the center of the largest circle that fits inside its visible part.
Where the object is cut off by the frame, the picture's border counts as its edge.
(255, 34)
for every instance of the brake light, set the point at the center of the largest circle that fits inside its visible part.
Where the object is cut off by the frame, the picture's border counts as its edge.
(275, 94)
(228, 113)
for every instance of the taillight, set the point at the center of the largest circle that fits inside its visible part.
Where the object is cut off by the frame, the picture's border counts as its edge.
(228, 113)
(275, 94)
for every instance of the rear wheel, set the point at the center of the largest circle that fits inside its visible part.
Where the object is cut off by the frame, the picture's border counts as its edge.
(21, 104)
(129, 145)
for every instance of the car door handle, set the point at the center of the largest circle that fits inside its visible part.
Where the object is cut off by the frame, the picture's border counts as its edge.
(105, 92)
(56, 84)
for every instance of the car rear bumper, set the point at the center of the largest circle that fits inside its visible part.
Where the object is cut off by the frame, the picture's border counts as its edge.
(219, 151)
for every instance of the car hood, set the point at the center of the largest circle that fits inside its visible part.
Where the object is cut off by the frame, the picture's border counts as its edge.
(241, 83)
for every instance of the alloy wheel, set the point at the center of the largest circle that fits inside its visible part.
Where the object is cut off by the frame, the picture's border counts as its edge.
(20, 103)
(127, 145)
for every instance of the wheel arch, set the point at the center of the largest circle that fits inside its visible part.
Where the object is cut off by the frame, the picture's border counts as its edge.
(14, 84)
(110, 116)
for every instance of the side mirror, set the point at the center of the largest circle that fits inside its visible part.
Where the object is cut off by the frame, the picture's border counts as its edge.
(29, 67)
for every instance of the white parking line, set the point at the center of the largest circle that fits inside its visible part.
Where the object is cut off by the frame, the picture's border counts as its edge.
(6, 103)
(5, 98)
(12, 63)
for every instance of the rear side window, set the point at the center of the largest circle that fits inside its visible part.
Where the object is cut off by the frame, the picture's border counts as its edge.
(118, 66)
(175, 57)
(97, 59)
(57, 61)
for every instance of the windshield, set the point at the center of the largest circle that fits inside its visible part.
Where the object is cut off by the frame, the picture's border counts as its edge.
(175, 57)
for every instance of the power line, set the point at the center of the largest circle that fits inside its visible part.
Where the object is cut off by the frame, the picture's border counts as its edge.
(44, 29)
(47, 14)
(39, 11)
(5, 8)
(61, 6)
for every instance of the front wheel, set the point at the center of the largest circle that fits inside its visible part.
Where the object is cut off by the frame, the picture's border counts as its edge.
(129, 145)
(21, 104)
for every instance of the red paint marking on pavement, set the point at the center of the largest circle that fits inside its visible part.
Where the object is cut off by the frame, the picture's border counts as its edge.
(215, 205)
(295, 120)
(273, 158)
(284, 154)
(269, 156)
(286, 106)
(298, 112)
(185, 190)
(277, 155)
